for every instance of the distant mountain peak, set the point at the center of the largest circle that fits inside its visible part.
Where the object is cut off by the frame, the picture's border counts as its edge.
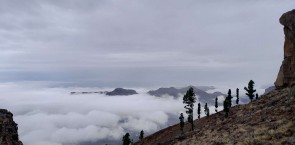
(204, 97)
(121, 92)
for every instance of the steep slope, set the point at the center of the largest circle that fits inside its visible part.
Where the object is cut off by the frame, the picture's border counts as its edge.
(268, 120)
(8, 129)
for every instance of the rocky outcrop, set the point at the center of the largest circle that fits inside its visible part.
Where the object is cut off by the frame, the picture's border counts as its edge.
(8, 129)
(286, 76)
(121, 92)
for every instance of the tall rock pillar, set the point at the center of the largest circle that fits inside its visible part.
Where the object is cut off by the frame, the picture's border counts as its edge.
(286, 76)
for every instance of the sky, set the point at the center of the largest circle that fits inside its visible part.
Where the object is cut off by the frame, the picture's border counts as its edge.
(117, 43)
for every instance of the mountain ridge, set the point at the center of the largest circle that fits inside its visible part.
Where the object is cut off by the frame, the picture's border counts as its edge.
(204, 97)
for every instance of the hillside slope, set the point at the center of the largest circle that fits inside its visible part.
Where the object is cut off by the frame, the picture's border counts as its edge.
(268, 120)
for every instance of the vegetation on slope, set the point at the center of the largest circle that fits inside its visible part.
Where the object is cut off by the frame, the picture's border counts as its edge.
(268, 120)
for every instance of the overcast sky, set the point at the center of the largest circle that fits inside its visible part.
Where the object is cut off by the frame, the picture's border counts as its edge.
(115, 43)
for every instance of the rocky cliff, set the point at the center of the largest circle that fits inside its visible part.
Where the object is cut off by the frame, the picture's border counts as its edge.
(8, 129)
(286, 76)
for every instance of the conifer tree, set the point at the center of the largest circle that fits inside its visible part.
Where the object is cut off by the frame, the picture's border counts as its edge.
(189, 99)
(206, 110)
(141, 135)
(229, 97)
(227, 103)
(226, 106)
(126, 140)
(199, 111)
(216, 104)
(181, 124)
(238, 99)
(250, 90)
(256, 96)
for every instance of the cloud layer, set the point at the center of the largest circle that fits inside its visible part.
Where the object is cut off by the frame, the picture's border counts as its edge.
(51, 116)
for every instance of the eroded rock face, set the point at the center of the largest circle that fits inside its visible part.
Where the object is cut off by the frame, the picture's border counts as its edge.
(286, 76)
(8, 129)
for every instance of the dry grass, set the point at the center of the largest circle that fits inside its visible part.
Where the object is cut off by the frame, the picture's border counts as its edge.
(268, 120)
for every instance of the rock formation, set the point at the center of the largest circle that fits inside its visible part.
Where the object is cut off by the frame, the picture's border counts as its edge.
(121, 92)
(286, 76)
(8, 129)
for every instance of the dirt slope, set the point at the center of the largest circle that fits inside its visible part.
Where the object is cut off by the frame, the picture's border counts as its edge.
(268, 120)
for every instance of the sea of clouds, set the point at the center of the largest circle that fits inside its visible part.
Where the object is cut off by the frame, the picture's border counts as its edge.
(52, 116)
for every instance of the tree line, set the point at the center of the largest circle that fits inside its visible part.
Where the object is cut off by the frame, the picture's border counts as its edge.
(190, 98)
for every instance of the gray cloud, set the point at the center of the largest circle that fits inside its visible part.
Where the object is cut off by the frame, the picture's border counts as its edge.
(51, 116)
(66, 40)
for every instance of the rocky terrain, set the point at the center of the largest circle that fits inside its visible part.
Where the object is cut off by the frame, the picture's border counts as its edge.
(269, 120)
(8, 129)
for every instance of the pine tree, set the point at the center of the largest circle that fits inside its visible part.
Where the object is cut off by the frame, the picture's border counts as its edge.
(256, 96)
(199, 111)
(206, 110)
(181, 124)
(216, 104)
(238, 99)
(250, 90)
(126, 140)
(227, 103)
(189, 99)
(229, 97)
(226, 107)
(141, 135)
